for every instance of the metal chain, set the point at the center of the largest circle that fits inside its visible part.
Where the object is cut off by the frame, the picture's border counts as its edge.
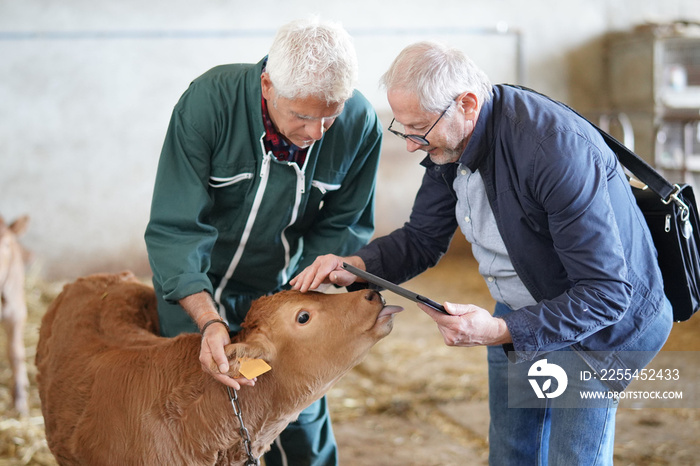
(252, 460)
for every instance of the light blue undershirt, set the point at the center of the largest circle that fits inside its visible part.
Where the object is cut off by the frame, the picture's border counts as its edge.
(478, 225)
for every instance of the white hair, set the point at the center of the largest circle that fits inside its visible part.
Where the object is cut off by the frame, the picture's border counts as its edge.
(311, 57)
(436, 74)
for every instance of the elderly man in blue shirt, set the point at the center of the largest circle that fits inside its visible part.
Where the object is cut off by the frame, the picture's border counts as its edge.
(557, 235)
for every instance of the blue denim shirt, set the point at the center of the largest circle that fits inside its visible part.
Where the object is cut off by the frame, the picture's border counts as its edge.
(570, 225)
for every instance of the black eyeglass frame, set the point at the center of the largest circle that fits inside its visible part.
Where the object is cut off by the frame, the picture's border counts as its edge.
(417, 138)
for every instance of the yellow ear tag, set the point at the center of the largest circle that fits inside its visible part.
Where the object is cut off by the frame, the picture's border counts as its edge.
(251, 368)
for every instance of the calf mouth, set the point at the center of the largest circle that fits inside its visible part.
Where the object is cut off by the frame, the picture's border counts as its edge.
(384, 311)
(388, 310)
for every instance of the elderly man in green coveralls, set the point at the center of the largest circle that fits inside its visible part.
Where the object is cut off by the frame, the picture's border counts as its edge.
(264, 167)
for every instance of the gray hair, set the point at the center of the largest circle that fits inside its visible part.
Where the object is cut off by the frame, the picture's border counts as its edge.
(436, 74)
(311, 57)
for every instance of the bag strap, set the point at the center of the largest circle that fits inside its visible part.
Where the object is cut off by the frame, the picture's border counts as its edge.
(634, 163)
(639, 168)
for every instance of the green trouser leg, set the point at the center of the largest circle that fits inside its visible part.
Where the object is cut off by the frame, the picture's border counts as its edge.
(308, 441)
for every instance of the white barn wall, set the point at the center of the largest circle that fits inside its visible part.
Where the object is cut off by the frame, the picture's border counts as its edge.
(86, 91)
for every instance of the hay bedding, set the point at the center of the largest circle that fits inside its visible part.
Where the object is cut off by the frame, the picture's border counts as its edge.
(22, 441)
(413, 401)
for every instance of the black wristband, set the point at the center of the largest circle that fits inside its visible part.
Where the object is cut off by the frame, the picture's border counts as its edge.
(214, 321)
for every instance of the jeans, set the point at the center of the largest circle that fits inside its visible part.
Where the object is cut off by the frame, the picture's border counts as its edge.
(547, 434)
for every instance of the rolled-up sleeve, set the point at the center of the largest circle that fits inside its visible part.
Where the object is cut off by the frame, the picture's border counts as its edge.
(346, 221)
(178, 241)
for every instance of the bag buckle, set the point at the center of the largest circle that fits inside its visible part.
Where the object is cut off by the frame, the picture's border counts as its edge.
(685, 212)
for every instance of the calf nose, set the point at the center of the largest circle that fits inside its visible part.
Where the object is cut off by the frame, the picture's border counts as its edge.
(373, 295)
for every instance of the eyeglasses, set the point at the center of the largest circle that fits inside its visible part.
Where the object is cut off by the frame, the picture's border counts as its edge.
(418, 139)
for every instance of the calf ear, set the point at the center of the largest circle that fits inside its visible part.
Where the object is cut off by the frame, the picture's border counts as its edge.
(19, 226)
(237, 351)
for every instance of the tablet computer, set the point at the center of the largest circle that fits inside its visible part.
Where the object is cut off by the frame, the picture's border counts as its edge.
(394, 288)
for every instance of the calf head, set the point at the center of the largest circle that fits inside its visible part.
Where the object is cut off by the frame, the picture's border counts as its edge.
(11, 252)
(313, 338)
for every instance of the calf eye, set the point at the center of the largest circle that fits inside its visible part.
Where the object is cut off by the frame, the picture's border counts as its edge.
(303, 317)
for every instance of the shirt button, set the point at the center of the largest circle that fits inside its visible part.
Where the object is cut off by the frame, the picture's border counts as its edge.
(491, 279)
(467, 219)
(464, 172)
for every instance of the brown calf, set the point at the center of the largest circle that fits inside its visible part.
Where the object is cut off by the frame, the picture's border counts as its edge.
(13, 306)
(113, 392)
